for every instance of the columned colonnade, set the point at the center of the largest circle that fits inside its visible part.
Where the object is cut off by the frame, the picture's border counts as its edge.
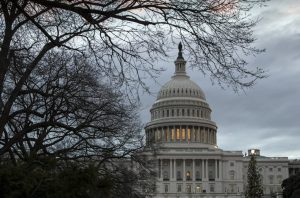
(181, 133)
(176, 169)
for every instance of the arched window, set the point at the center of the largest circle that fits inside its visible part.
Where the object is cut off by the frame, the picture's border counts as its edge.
(188, 175)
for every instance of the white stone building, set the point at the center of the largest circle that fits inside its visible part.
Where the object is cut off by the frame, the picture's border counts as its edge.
(181, 143)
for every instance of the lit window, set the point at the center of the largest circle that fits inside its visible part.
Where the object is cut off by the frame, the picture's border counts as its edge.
(177, 134)
(189, 134)
(188, 175)
(173, 134)
(183, 134)
(198, 188)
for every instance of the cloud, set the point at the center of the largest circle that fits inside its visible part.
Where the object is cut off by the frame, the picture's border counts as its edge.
(268, 115)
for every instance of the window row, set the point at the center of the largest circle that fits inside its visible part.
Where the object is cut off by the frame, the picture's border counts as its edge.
(180, 92)
(190, 188)
(179, 112)
(181, 134)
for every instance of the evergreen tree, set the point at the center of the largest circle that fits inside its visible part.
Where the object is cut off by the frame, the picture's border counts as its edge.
(254, 184)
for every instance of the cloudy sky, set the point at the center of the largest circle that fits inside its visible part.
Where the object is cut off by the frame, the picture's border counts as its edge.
(266, 116)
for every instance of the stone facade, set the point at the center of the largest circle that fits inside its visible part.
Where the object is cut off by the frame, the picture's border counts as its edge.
(181, 144)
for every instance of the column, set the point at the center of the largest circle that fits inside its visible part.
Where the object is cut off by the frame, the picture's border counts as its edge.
(202, 167)
(184, 174)
(175, 134)
(158, 168)
(216, 169)
(163, 135)
(218, 164)
(175, 174)
(220, 170)
(206, 169)
(161, 168)
(186, 134)
(170, 172)
(194, 173)
(180, 134)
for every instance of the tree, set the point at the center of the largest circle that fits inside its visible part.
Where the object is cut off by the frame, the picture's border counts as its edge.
(69, 128)
(124, 38)
(291, 186)
(63, 110)
(254, 185)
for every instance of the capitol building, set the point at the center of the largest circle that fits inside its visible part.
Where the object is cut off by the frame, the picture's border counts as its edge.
(182, 146)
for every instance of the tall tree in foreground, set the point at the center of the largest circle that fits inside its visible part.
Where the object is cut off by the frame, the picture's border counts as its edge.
(69, 130)
(254, 187)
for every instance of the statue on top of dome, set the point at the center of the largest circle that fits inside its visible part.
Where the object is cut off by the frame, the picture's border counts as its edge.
(180, 50)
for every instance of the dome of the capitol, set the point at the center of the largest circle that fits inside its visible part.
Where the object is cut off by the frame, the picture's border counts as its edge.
(181, 86)
(181, 115)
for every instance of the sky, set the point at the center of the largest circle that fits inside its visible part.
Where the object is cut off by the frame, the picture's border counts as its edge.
(267, 116)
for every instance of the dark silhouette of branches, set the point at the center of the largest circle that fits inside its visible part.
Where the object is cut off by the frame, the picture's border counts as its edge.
(125, 37)
(63, 110)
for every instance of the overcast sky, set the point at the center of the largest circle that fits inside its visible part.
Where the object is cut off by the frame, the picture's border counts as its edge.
(267, 116)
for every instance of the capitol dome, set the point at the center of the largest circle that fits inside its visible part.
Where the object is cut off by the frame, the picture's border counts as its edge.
(180, 115)
(181, 86)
